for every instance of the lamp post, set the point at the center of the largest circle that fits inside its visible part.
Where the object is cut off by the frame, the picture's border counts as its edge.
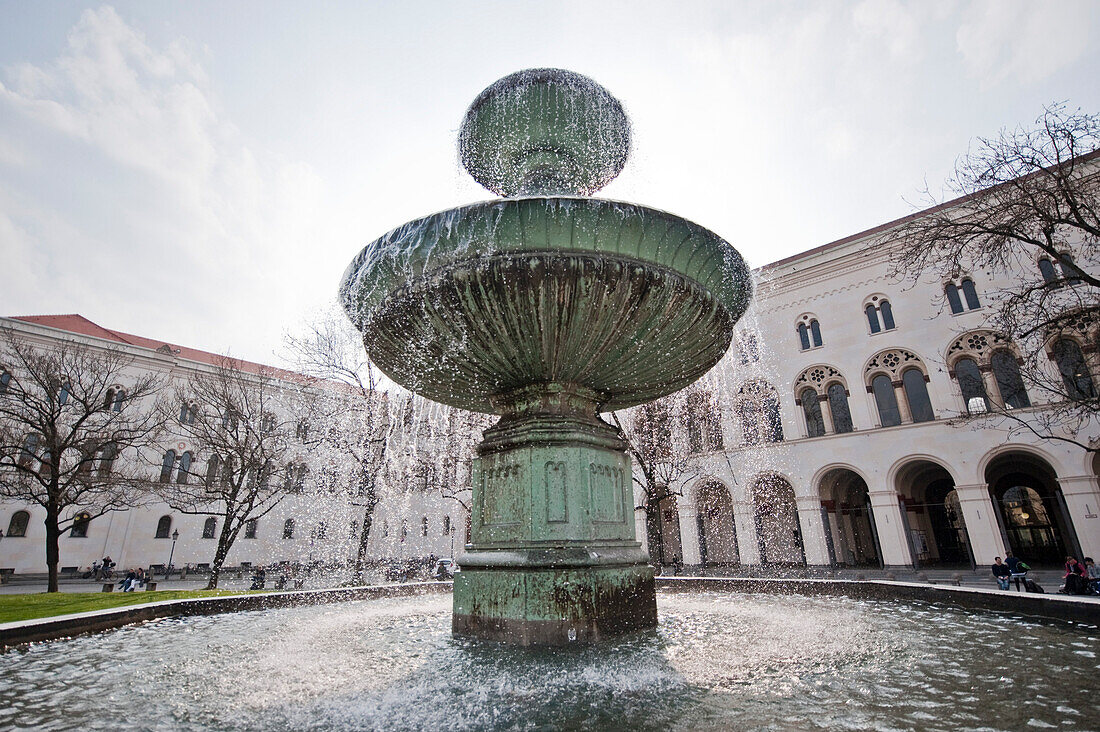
(168, 569)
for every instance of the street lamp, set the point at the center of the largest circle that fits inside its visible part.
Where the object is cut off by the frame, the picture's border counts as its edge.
(168, 569)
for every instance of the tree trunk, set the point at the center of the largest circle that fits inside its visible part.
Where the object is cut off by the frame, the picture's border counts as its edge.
(364, 538)
(53, 550)
(225, 542)
(655, 538)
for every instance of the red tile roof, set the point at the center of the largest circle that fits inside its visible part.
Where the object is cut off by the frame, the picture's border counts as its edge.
(75, 323)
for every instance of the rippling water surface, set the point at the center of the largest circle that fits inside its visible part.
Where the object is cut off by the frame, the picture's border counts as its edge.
(718, 661)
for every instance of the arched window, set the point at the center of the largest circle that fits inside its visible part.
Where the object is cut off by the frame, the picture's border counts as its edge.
(184, 473)
(702, 422)
(80, 525)
(887, 311)
(212, 466)
(5, 380)
(872, 318)
(886, 401)
(30, 449)
(385, 529)
(107, 456)
(838, 406)
(953, 298)
(300, 478)
(916, 393)
(63, 394)
(321, 531)
(1046, 268)
(970, 382)
(1009, 382)
(804, 336)
(815, 332)
(1069, 270)
(209, 527)
(116, 395)
(971, 294)
(811, 408)
(167, 465)
(164, 527)
(229, 420)
(1075, 373)
(301, 430)
(250, 528)
(772, 425)
(757, 406)
(17, 526)
(228, 470)
(288, 529)
(188, 413)
(424, 526)
(750, 351)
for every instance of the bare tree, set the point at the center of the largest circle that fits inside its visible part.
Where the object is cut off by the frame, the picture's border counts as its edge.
(245, 424)
(663, 468)
(73, 427)
(1028, 203)
(353, 419)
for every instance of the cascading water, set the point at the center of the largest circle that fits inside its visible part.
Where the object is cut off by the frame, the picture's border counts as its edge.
(548, 307)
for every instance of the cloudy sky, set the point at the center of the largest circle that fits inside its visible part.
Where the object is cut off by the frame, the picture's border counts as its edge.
(202, 172)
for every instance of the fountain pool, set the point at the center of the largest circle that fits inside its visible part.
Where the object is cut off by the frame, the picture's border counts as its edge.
(717, 661)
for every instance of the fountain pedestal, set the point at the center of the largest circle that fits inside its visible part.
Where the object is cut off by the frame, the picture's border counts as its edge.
(553, 557)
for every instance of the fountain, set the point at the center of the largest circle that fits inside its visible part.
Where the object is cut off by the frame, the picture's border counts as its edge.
(547, 307)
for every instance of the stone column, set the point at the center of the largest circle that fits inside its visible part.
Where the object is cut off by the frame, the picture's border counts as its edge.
(903, 402)
(826, 414)
(1083, 503)
(689, 534)
(991, 389)
(813, 531)
(744, 520)
(892, 535)
(982, 529)
(553, 559)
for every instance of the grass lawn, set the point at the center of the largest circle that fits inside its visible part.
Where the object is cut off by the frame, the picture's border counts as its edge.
(45, 604)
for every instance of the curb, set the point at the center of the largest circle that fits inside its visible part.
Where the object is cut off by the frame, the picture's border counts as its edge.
(65, 626)
(1057, 607)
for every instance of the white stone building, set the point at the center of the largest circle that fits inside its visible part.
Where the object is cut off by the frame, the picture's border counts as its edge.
(414, 519)
(870, 464)
(829, 436)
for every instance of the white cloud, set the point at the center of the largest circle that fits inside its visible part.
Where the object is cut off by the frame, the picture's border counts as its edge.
(1023, 41)
(153, 212)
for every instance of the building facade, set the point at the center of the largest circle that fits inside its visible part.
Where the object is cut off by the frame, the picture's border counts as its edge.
(850, 435)
(857, 421)
(418, 514)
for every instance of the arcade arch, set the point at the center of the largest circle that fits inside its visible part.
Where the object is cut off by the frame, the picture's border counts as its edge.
(778, 533)
(717, 531)
(933, 515)
(1030, 508)
(850, 530)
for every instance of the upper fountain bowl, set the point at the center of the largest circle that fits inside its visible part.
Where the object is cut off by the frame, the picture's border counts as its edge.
(545, 132)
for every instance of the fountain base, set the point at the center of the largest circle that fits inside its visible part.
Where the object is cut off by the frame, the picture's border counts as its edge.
(553, 558)
(536, 605)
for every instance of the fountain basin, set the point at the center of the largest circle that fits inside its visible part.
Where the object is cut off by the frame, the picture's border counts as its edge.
(471, 303)
(718, 661)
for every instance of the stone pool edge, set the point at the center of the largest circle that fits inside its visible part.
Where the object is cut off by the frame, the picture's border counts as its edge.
(1052, 606)
(57, 627)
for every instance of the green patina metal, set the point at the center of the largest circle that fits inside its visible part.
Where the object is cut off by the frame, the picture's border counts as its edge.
(548, 308)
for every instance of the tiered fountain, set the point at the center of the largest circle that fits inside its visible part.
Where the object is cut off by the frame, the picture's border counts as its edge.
(547, 307)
